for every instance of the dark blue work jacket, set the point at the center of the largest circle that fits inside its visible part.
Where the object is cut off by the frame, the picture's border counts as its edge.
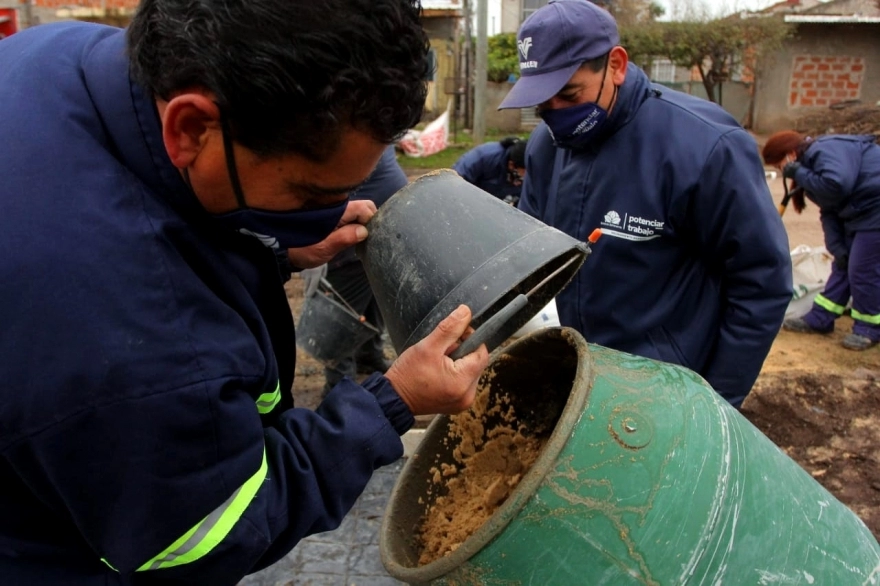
(841, 175)
(693, 267)
(147, 434)
(486, 167)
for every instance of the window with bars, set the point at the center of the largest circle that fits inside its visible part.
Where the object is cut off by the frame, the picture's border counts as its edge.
(663, 71)
(529, 6)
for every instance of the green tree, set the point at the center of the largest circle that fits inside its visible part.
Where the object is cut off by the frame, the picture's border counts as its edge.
(503, 57)
(716, 48)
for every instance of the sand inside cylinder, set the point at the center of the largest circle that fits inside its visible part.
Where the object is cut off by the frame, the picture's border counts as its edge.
(493, 451)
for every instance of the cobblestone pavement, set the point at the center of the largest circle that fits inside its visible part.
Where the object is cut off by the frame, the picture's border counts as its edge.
(348, 556)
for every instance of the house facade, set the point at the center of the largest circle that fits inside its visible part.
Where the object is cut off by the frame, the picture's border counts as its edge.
(833, 58)
(442, 22)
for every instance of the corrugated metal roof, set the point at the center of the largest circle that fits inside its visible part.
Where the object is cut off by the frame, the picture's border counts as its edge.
(441, 4)
(832, 18)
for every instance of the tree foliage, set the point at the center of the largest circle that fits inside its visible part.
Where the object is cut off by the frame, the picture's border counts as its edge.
(632, 12)
(717, 48)
(503, 58)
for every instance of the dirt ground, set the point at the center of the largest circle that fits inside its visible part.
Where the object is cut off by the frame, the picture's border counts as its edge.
(816, 400)
(842, 118)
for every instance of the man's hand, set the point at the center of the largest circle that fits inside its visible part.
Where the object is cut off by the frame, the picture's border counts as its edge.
(428, 380)
(790, 169)
(349, 232)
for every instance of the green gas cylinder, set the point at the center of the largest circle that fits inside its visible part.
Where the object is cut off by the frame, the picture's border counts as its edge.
(648, 478)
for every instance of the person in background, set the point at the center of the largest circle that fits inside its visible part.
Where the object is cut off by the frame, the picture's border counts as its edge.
(347, 277)
(159, 185)
(693, 265)
(841, 175)
(496, 167)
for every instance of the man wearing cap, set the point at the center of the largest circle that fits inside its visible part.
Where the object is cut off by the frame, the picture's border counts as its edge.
(693, 266)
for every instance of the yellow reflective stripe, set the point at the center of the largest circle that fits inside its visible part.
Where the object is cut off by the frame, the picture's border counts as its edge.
(826, 303)
(210, 531)
(267, 401)
(868, 319)
(109, 566)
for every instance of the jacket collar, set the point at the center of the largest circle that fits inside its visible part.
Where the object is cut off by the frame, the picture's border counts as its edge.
(632, 94)
(132, 124)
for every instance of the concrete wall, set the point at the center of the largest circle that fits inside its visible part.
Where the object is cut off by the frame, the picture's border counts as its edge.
(507, 120)
(511, 12)
(823, 65)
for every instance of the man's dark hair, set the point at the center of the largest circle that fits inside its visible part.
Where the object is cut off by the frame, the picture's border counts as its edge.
(516, 150)
(289, 75)
(598, 64)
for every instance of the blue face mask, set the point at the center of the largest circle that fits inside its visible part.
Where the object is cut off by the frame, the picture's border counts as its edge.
(288, 229)
(576, 126)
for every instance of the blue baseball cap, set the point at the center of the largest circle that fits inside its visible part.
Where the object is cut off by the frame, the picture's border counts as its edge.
(553, 42)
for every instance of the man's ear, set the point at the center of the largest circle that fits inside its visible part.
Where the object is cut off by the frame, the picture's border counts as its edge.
(618, 60)
(187, 120)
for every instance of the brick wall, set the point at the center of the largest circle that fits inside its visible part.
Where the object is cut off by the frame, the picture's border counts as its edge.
(822, 81)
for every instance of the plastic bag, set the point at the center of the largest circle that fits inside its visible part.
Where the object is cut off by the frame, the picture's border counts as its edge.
(811, 267)
(424, 143)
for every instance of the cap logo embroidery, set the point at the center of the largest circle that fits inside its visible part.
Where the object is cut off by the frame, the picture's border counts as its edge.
(524, 46)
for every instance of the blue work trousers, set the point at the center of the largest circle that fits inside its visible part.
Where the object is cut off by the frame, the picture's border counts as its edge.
(859, 281)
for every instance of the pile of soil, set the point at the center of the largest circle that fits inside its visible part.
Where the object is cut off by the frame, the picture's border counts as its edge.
(492, 452)
(820, 403)
(843, 118)
(828, 424)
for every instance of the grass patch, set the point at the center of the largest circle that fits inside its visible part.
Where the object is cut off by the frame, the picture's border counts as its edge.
(445, 158)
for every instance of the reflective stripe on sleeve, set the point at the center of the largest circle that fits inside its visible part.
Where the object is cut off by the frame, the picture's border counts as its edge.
(267, 401)
(210, 531)
(868, 319)
(826, 303)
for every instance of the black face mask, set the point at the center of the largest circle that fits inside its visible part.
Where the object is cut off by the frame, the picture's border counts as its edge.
(284, 229)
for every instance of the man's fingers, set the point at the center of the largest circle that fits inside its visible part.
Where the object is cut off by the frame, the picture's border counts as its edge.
(318, 254)
(345, 236)
(452, 327)
(474, 363)
(358, 212)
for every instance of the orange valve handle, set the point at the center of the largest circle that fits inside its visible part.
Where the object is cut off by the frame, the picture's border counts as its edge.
(594, 235)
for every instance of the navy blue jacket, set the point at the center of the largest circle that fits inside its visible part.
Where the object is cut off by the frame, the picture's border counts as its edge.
(486, 167)
(841, 175)
(147, 434)
(693, 267)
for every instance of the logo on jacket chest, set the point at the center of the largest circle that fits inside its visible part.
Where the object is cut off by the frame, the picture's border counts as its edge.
(631, 226)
